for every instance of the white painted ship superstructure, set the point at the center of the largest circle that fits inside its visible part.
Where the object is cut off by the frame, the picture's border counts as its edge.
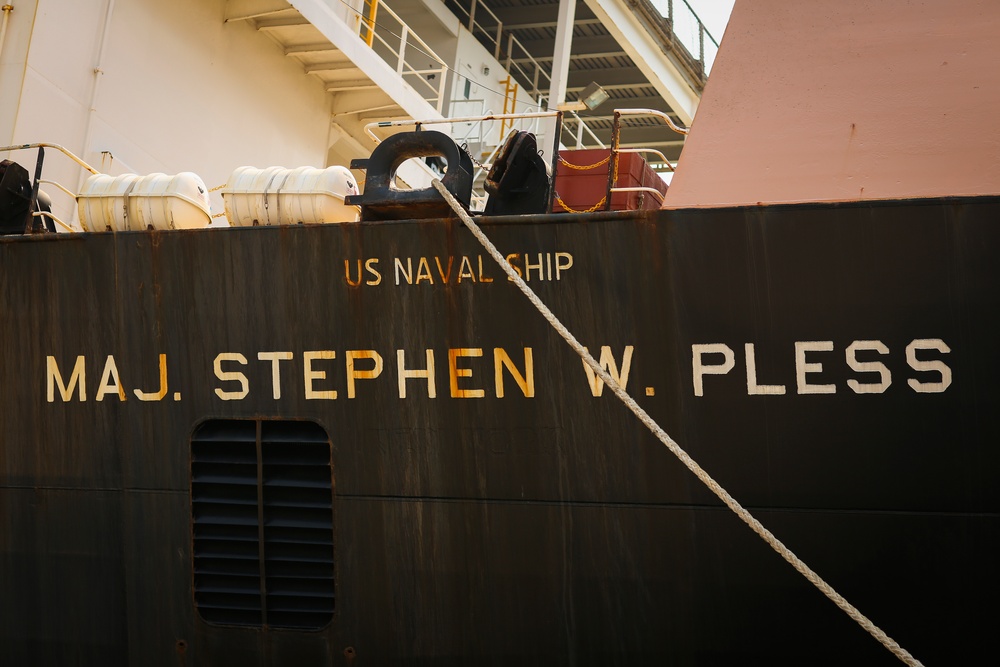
(141, 86)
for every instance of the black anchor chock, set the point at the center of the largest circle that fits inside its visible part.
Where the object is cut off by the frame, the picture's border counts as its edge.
(382, 201)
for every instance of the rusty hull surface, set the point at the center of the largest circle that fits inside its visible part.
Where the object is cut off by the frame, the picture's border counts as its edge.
(550, 529)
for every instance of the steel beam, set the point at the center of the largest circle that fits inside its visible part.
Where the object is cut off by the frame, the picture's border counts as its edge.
(339, 66)
(265, 24)
(582, 46)
(547, 24)
(580, 77)
(310, 49)
(547, 13)
(560, 53)
(648, 55)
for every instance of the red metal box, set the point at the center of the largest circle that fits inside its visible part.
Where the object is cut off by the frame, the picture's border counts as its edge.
(582, 181)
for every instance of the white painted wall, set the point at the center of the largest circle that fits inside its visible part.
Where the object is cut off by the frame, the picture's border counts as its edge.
(13, 60)
(180, 91)
(485, 75)
(432, 22)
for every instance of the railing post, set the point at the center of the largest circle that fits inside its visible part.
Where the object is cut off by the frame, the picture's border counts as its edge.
(613, 161)
(496, 53)
(402, 49)
(370, 21)
(442, 89)
(701, 44)
(556, 137)
(472, 17)
(30, 226)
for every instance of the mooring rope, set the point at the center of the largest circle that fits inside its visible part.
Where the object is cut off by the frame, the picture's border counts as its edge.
(675, 448)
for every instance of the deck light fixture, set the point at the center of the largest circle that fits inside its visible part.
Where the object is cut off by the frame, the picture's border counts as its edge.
(591, 97)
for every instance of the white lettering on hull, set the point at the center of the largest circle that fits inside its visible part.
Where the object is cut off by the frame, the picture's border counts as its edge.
(496, 372)
(814, 357)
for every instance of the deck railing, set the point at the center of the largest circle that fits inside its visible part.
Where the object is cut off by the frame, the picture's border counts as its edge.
(689, 30)
(481, 167)
(480, 20)
(486, 26)
(397, 44)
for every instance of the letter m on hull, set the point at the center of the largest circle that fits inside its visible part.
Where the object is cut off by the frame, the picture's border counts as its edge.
(78, 378)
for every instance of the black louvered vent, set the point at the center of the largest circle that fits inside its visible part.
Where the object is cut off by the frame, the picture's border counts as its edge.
(298, 524)
(226, 528)
(262, 511)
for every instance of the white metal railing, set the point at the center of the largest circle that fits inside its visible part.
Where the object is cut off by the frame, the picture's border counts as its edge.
(663, 158)
(491, 29)
(616, 151)
(656, 113)
(689, 30)
(492, 33)
(514, 64)
(38, 179)
(481, 167)
(531, 116)
(582, 127)
(574, 128)
(474, 130)
(61, 149)
(392, 38)
(518, 62)
(478, 137)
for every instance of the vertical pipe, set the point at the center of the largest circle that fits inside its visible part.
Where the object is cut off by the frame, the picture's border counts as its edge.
(560, 53)
(109, 10)
(7, 9)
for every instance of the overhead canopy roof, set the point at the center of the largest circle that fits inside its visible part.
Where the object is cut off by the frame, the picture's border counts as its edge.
(630, 49)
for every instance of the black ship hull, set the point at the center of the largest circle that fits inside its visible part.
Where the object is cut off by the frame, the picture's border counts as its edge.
(833, 366)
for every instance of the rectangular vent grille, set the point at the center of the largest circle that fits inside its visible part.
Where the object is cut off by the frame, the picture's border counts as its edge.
(262, 515)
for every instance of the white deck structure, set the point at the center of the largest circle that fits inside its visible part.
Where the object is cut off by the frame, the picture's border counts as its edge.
(210, 85)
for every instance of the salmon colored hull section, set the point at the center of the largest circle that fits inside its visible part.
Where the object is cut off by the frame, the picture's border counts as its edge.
(847, 100)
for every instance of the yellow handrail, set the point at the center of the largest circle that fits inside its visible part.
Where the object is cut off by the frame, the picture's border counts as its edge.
(509, 97)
